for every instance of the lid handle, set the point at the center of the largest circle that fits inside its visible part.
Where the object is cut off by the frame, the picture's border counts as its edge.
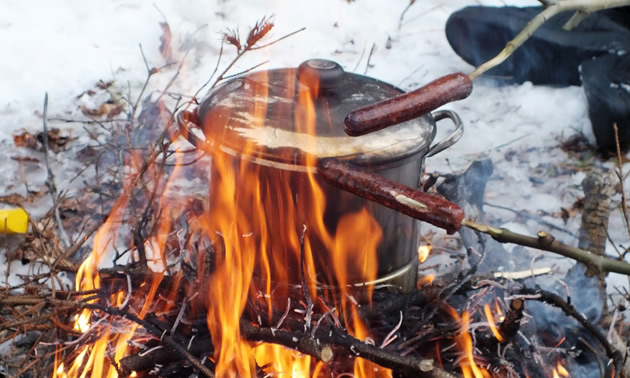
(322, 73)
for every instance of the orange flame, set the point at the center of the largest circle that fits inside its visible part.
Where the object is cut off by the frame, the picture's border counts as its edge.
(493, 327)
(465, 345)
(267, 230)
(423, 253)
(425, 281)
(560, 371)
(273, 210)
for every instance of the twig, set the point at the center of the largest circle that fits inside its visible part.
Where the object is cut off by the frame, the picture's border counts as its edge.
(234, 39)
(402, 15)
(259, 30)
(539, 20)
(546, 242)
(150, 72)
(63, 258)
(535, 218)
(367, 64)
(50, 180)
(245, 71)
(278, 40)
(307, 295)
(624, 200)
(575, 20)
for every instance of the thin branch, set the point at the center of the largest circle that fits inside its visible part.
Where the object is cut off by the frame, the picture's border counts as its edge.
(575, 20)
(624, 200)
(538, 21)
(245, 71)
(50, 180)
(278, 40)
(547, 242)
(367, 64)
(402, 15)
(307, 295)
(62, 260)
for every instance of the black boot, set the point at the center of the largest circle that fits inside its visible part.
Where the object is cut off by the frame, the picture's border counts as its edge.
(551, 55)
(600, 44)
(606, 83)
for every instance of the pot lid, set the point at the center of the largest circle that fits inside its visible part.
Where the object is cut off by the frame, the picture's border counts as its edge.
(283, 115)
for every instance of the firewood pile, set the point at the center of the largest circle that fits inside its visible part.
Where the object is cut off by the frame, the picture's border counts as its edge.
(465, 322)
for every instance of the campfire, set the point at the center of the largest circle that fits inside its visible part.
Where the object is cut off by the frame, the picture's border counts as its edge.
(256, 237)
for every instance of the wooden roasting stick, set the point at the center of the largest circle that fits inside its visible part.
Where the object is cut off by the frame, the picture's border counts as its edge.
(446, 215)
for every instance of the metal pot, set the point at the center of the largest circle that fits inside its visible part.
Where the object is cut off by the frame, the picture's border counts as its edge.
(285, 144)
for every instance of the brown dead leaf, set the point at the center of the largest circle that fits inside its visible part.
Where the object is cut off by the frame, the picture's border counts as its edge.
(36, 247)
(231, 36)
(104, 84)
(262, 27)
(107, 109)
(165, 39)
(26, 140)
(25, 159)
(56, 140)
(15, 199)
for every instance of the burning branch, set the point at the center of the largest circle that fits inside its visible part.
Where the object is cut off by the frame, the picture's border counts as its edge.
(512, 322)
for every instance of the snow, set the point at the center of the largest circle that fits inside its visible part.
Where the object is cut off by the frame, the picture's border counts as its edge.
(64, 48)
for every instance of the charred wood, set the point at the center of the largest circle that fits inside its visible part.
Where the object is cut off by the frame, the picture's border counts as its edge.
(512, 322)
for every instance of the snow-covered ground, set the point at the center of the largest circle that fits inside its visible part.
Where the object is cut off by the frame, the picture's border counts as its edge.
(64, 48)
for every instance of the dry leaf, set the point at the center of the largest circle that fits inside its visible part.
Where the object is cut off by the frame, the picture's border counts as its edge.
(15, 199)
(56, 141)
(25, 159)
(26, 139)
(165, 38)
(259, 30)
(232, 37)
(106, 109)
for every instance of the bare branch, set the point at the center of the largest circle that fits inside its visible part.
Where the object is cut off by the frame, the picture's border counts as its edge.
(586, 6)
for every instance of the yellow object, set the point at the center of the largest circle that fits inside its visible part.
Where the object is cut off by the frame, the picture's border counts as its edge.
(13, 221)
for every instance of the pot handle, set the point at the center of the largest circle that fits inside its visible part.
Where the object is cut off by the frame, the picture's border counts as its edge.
(451, 139)
(185, 121)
